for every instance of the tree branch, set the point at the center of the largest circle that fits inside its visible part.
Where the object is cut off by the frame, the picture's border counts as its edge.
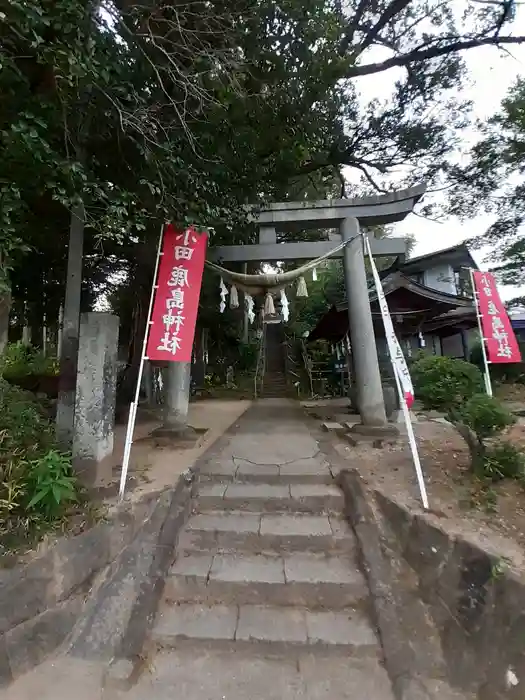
(352, 27)
(395, 8)
(420, 55)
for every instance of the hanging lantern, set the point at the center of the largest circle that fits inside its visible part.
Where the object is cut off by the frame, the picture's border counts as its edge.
(302, 289)
(234, 298)
(284, 306)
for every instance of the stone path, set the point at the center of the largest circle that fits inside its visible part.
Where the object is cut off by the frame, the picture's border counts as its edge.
(265, 598)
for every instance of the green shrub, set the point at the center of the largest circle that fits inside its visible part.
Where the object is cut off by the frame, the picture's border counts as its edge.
(504, 461)
(445, 383)
(503, 373)
(455, 387)
(21, 360)
(51, 484)
(485, 415)
(36, 481)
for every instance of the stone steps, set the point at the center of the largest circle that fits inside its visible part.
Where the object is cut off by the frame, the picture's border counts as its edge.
(258, 533)
(314, 499)
(312, 470)
(309, 580)
(272, 629)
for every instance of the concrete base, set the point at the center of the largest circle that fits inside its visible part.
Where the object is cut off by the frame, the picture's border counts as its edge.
(378, 431)
(355, 440)
(375, 435)
(184, 437)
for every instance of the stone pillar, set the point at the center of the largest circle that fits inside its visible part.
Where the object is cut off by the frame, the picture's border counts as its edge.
(177, 396)
(176, 403)
(95, 394)
(364, 351)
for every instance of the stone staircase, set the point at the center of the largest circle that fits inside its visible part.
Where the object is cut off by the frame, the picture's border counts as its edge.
(274, 385)
(266, 563)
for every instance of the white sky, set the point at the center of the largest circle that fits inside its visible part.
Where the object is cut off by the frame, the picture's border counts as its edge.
(492, 74)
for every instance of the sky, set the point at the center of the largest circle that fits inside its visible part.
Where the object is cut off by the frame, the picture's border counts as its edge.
(492, 74)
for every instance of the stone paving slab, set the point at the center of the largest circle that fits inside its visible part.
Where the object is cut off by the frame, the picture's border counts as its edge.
(225, 522)
(312, 568)
(251, 532)
(190, 621)
(268, 624)
(247, 471)
(243, 675)
(194, 565)
(224, 469)
(295, 525)
(262, 624)
(310, 470)
(341, 627)
(250, 569)
(310, 580)
(270, 498)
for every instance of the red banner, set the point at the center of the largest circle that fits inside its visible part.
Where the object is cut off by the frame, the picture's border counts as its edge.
(179, 280)
(500, 341)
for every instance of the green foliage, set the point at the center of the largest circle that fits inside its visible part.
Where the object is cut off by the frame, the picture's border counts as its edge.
(505, 373)
(36, 482)
(492, 181)
(485, 415)
(51, 482)
(504, 461)
(327, 290)
(445, 383)
(455, 387)
(20, 360)
(247, 357)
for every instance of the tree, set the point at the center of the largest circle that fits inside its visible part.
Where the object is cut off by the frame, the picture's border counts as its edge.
(493, 182)
(126, 114)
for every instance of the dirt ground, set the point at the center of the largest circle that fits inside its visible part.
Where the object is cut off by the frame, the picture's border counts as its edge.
(497, 519)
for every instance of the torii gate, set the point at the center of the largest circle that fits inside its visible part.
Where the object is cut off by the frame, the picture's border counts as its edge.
(347, 215)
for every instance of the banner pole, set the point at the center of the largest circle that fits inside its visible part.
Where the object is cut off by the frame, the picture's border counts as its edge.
(385, 315)
(412, 443)
(486, 373)
(134, 404)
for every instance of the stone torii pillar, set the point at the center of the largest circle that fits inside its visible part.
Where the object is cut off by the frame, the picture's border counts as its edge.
(346, 215)
(364, 351)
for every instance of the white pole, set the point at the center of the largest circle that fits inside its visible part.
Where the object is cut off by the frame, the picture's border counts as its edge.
(486, 374)
(412, 442)
(134, 404)
(385, 315)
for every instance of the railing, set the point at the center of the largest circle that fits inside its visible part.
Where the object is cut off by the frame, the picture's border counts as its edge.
(260, 367)
(308, 367)
(290, 364)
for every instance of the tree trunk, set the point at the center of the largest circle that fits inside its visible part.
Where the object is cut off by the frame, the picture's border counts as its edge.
(5, 309)
(475, 446)
(65, 420)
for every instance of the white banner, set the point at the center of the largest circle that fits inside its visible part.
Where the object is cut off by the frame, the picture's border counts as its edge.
(394, 348)
(401, 373)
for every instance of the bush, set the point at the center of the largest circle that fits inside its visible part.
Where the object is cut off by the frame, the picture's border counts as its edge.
(36, 481)
(445, 383)
(455, 387)
(504, 461)
(485, 415)
(503, 373)
(21, 360)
